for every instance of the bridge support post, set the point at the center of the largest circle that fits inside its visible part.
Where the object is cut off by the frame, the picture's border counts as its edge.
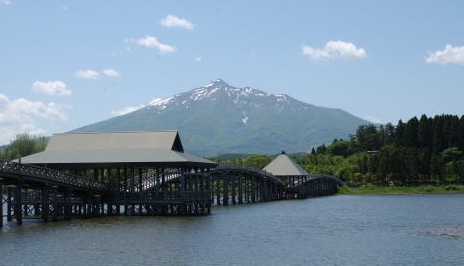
(18, 210)
(240, 191)
(45, 204)
(218, 192)
(1, 202)
(55, 204)
(9, 205)
(232, 190)
(225, 188)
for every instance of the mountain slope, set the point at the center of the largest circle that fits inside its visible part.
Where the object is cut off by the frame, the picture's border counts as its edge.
(218, 119)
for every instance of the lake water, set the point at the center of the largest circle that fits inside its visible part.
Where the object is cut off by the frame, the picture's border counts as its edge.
(334, 230)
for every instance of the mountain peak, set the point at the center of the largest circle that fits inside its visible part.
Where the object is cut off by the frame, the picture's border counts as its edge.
(219, 118)
(218, 83)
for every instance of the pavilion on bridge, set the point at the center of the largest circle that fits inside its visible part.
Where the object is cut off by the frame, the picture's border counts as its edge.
(147, 172)
(299, 183)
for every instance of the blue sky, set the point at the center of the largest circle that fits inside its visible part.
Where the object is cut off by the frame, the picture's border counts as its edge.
(66, 64)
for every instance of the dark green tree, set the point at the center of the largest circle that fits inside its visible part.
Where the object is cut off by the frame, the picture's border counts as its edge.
(23, 145)
(368, 138)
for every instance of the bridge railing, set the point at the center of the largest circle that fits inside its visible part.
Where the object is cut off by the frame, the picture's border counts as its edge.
(148, 180)
(313, 177)
(42, 174)
(237, 166)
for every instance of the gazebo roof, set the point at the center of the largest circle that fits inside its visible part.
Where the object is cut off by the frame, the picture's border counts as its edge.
(283, 165)
(137, 149)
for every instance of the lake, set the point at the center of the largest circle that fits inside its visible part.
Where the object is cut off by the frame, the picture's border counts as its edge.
(334, 230)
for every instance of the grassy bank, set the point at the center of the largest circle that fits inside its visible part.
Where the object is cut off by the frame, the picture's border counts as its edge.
(385, 190)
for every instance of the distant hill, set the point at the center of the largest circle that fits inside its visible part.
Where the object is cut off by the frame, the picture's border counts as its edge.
(222, 119)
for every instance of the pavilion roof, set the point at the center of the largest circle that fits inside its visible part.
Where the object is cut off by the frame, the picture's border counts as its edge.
(283, 165)
(137, 149)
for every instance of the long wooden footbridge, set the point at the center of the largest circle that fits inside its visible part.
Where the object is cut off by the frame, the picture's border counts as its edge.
(33, 192)
(74, 179)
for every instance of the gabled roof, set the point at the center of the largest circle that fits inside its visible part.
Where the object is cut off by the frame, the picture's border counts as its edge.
(137, 149)
(283, 165)
(116, 140)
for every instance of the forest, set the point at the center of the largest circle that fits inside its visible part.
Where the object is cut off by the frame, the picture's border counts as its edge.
(425, 151)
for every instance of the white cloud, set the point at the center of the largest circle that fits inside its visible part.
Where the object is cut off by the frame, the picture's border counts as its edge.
(87, 74)
(21, 115)
(126, 110)
(130, 109)
(53, 88)
(198, 58)
(373, 119)
(172, 21)
(153, 43)
(449, 55)
(111, 73)
(5, 2)
(334, 50)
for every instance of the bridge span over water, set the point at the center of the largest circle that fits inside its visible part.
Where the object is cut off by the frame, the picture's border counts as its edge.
(139, 173)
(33, 192)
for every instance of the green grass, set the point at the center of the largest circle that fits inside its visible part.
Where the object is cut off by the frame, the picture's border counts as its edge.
(386, 190)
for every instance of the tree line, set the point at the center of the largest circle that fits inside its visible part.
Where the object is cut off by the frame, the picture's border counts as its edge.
(425, 151)
(417, 152)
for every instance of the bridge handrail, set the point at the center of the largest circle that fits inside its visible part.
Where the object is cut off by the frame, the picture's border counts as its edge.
(52, 175)
(237, 166)
(149, 181)
(313, 177)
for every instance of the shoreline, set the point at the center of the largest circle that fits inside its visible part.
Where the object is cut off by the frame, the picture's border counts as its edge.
(397, 190)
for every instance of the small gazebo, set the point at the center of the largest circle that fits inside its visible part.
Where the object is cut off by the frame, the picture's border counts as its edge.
(290, 172)
(284, 167)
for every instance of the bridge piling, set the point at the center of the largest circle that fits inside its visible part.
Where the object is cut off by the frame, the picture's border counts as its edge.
(45, 204)
(18, 204)
(1, 202)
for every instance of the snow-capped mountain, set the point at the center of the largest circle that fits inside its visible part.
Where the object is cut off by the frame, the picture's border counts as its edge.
(220, 119)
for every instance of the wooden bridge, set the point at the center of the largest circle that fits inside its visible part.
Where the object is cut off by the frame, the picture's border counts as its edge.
(32, 192)
(140, 173)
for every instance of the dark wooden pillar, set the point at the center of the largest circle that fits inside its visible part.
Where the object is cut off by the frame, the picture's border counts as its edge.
(218, 191)
(56, 204)
(18, 210)
(1, 202)
(225, 196)
(45, 204)
(9, 205)
(234, 188)
(240, 190)
(140, 189)
(125, 189)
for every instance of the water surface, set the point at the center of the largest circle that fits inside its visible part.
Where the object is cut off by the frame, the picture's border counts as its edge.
(334, 230)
